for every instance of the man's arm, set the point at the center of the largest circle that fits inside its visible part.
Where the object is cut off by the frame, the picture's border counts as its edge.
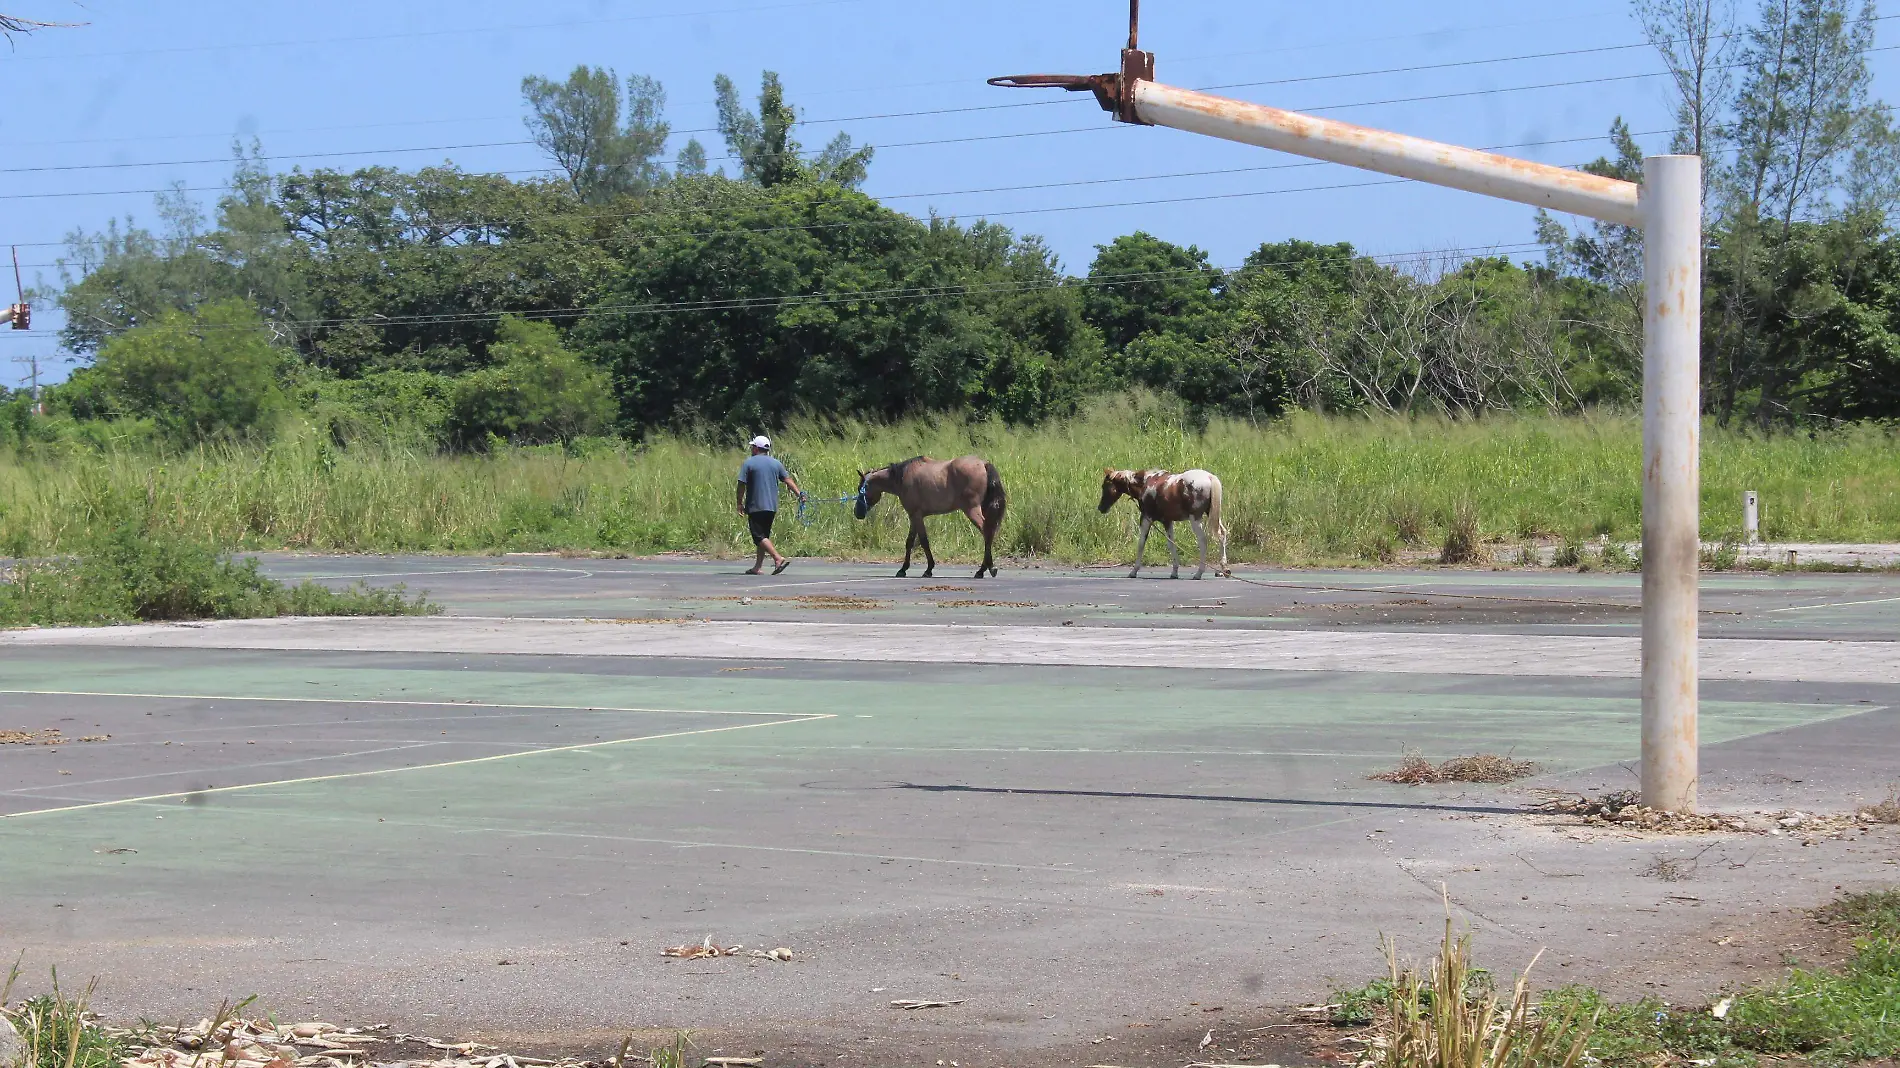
(742, 496)
(792, 482)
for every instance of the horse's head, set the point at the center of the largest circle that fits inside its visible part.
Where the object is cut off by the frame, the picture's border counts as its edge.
(868, 495)
(1118, 484)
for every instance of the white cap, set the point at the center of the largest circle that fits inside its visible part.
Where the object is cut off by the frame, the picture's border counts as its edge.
(762, 442)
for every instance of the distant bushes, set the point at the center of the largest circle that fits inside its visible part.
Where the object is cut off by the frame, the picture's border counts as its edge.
(539, 393)
(128, 573)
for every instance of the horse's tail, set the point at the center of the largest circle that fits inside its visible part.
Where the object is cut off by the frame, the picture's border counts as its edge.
(1214, 521)
(994, 502)
(1217, 526)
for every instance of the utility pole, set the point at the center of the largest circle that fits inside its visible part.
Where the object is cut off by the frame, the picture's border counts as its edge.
(20, 317)
(1667, 207)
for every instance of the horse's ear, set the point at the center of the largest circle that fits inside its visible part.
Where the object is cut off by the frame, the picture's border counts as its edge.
(1108, 472)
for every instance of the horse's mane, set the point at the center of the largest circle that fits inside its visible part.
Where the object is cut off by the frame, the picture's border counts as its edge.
(897, 469)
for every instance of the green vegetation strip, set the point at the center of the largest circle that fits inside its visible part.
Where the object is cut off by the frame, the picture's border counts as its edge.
(1305, 489)
(129, 574)
(1814, 1015)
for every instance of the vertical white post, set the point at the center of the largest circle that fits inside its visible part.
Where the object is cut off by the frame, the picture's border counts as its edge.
(1751, 517)
(1672, 430)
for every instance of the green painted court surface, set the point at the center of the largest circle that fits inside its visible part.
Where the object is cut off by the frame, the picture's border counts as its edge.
(419, 816)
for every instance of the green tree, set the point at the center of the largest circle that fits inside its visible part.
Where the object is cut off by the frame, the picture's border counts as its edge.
(733, 305)
(202, 375)
(538, 392)
(763, 145)
(578, 124)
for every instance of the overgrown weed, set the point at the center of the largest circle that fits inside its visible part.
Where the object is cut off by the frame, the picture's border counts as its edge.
(1299, 490)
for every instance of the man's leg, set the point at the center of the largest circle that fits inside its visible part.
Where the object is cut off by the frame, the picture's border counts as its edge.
(766, 546)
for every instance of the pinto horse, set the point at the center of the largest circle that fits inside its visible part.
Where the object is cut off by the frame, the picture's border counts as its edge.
(1168, 499)
(927, 487)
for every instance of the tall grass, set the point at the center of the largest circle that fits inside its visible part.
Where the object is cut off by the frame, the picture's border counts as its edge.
(1307, 488)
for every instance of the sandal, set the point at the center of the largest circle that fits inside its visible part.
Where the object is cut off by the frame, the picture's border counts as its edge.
(780, 569)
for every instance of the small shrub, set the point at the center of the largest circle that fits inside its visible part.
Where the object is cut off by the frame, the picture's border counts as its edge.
(1464, 542)
(541, 393)
(1569, 555)
(205, 375)
(1887, 811)
(1408, 522)
(127, 574)
(1528, 556)
(58, 1031)
(1447, 1015)
(1378, 549)
(1617, 557)
(1721, 558)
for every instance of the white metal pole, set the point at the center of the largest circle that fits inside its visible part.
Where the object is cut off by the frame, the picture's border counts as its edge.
(1672, 430)
(1488, 173)
(1751, 517)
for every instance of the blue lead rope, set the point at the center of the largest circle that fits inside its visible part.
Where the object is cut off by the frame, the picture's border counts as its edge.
(804, 501)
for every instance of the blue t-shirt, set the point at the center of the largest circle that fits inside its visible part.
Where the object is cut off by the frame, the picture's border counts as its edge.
(760, 476)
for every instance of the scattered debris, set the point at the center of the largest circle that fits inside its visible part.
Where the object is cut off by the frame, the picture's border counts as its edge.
(839, 601)
(49, 736)
(1624, 809)
(1415, 770)
(918, 1003)
(232, 1042)
(735, 1062)
(946, 589)
(709, 948)
(1720, 1009)
(987, 604)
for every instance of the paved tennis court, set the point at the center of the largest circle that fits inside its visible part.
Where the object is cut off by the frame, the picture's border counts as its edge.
(1068, 800)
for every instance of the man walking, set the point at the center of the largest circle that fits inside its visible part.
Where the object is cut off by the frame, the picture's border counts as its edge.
(759, 477)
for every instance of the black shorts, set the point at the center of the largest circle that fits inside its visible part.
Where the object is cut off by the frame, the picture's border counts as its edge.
(760, 524)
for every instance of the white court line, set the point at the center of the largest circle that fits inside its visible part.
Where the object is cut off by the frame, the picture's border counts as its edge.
(1837, 604)
(420, 767)
(377, 701)
(231, 769)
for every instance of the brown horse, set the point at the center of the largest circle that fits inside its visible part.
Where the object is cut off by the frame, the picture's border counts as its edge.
(1168, 499)
(927, 487)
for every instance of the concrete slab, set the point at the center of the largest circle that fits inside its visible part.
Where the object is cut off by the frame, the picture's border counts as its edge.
(1105, 647)
(1069, 849)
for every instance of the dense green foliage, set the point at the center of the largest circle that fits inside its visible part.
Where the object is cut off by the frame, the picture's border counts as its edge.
(438, 309)
(128, 571)
(1829, 1015)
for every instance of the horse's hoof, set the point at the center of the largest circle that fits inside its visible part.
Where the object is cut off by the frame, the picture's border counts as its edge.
(1134, 574)
(904, 573)
(931, 573)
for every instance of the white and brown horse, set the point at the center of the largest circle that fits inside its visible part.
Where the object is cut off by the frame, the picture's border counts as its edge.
(1168, 499)
(927, 487)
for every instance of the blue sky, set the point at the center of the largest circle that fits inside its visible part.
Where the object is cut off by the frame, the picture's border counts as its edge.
(148, 94)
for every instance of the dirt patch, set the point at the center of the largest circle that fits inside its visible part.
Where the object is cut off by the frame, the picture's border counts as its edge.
(656, 619)
(1415, 770)
(946, 589)
(987, 604)
(835, 602)
(49, 736)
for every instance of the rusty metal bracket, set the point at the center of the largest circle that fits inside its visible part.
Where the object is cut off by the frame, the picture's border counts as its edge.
(1115, 92)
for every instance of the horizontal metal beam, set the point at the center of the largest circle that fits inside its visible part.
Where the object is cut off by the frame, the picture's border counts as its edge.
(1538, 184)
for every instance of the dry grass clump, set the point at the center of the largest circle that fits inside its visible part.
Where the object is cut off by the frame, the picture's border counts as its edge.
(1448, 1016)
(1415, 770)
(1887, 811)
(49, 736)
(1464, 542)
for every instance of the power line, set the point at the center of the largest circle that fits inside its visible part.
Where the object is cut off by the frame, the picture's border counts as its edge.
(998, 288)
(564, 242)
